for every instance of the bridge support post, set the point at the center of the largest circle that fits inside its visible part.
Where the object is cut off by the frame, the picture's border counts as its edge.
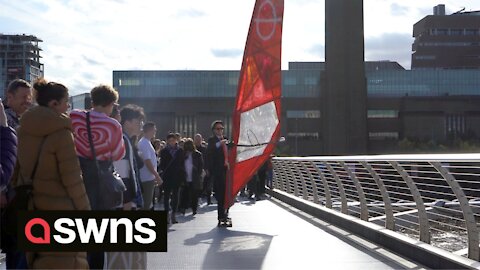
(470, 223)
(361, 194)
(417, 197)
(389, 219)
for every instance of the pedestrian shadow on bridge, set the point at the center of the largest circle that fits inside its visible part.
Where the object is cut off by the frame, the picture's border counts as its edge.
(232, 249)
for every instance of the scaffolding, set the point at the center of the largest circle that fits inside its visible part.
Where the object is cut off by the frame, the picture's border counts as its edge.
(19, 58)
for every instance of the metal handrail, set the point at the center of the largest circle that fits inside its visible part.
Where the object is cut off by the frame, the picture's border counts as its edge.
(432, 198)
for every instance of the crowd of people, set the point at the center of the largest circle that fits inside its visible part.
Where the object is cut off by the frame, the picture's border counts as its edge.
(59, 156)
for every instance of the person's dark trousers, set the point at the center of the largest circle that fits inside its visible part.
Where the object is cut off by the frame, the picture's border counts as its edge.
(252, 186)
(262, 177)
(161, 191)
(185, 197)
(220, 196)
(219, 184)
(16, 259)
(194, 194)
(173, 193)
(207, 188)
(96, 260)
(189, 197)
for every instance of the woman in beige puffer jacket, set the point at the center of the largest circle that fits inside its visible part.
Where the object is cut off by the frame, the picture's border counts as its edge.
(58, 183)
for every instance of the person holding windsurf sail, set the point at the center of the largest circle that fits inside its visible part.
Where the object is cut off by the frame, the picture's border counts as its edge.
(218, 166)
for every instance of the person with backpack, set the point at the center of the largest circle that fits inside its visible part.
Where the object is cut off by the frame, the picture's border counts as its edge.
(106, 133)
(49, 167)
(106, 147)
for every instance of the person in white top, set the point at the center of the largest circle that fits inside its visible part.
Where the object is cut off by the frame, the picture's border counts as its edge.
(148, 174)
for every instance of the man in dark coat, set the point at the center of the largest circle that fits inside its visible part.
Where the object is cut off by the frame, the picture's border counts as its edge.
(172, 166)
(8, 153)
(207, 183)
(19, 100)
(218, 166)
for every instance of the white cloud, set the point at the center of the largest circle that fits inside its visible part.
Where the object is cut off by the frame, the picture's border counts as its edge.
(381, 48)
(84, 41)
(227, 53)
(398, 10)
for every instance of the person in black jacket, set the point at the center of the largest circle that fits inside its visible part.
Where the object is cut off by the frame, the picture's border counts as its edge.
(172, 166)
(194, 175)
(207, 183)
(8, 152)
(218, 166)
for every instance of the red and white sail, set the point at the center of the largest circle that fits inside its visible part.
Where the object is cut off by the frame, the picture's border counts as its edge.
(256, 118)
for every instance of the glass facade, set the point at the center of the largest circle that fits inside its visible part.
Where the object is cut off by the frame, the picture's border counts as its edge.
(382, 114)
(383, 135)
(303, 114)
(429, 82)
(296, 83)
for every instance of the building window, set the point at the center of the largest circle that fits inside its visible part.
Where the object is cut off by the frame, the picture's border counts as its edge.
(455, 124)
(382, 114)
(456, 32)
(303, 114)
(304, 135)
(290, 81)
(425, 57)
(471, 32)
(383, 135)
(375, 81)
(449, 44)
(310, 81)
(129, 82)
(441, 32)
(228, 126)
(472, 57)
(186, 125)
(232, 81)
(160, 81)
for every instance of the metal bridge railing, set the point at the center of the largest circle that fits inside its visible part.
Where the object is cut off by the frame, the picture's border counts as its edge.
(432, 198)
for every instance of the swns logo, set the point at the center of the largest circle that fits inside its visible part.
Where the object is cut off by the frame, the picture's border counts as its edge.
(93, 231)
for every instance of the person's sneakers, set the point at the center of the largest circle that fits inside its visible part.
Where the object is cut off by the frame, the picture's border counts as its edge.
(226, 222)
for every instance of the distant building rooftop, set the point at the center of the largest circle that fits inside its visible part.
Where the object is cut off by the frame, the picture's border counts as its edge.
(369, 66)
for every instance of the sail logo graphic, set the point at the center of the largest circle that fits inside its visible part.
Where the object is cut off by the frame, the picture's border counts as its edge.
(93, 231)
(266, 21)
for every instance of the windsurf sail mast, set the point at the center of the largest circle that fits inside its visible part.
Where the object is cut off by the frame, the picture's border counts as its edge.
(256, 117)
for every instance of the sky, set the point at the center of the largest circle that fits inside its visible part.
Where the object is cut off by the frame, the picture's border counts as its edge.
(85, 40)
